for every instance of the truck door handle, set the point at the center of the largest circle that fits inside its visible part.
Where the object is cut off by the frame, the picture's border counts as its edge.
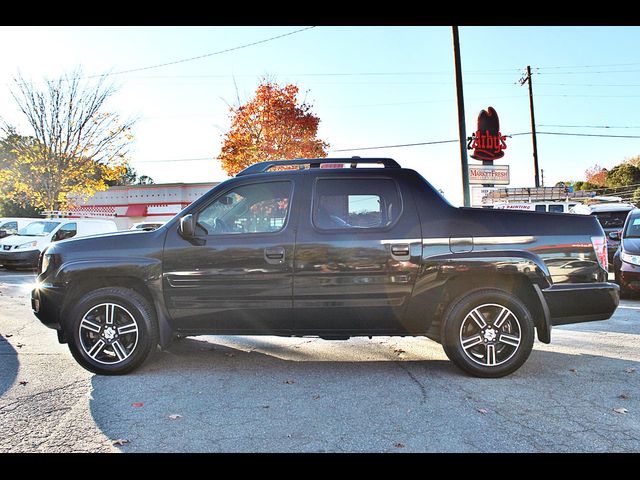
(274, 254)
(400, 250)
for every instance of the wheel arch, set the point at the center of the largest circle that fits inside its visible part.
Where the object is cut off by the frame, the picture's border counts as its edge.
(81, 284)
(514, 283)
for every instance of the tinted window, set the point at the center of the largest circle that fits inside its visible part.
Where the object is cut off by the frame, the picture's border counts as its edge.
(10, 227)
(68, 230)
(541, 208)
(612, 219)
(256, 208)
(355, 203)
(556, 208)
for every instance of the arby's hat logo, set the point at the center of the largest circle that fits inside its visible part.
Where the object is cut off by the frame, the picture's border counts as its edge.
(487, 142)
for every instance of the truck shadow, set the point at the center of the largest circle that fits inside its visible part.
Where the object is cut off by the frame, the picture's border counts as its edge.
(8, 365)
(207, 396)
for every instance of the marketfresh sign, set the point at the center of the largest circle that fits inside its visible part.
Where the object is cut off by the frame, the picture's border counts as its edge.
(489, 174)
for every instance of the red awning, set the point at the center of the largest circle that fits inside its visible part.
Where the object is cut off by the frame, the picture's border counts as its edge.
(136, 211)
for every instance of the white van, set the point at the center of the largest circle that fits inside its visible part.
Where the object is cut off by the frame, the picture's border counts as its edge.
(549, 207)
(10, 226)
(23, 249)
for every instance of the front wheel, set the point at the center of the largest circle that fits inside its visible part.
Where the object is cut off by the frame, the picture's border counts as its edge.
(112, 330)
(488, 333)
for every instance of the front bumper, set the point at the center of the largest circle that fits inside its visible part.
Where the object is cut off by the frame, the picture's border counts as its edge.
(581, 302)
(20, 259)
(630, 277)
(45, 303)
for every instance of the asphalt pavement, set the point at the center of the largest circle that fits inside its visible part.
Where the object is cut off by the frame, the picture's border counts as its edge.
(272, 394)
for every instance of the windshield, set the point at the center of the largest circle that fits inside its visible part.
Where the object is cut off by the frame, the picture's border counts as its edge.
(38, 229)
(633, 228)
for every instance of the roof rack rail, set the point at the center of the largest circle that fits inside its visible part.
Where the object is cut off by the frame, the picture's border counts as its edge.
(262, 167)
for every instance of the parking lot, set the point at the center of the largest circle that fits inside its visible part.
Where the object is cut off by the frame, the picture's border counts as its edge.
(271, 394)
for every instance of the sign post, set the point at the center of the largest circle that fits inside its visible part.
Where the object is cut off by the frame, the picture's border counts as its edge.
(461, 127)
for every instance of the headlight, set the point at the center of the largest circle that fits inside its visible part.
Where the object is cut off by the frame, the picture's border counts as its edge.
(627, 257)
(46, 259)
(24, 246)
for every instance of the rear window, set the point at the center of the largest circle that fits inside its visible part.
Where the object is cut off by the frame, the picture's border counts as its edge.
(612, 219)
(355, 203)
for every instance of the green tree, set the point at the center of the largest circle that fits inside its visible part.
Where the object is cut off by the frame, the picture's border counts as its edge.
(623, 175)
(130, 177)
(635, 161)
(636, 197)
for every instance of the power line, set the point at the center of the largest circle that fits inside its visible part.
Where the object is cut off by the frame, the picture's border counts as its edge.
(190, 59)
(585, 126)
(436, 142)
(400, 145)
(588, 135)
(171, 160)
(586, 73)
(589, 84)
(589, 66)
(394, 146)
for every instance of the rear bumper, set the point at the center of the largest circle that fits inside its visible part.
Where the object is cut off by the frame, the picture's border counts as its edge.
(581, 302)
(20, 259)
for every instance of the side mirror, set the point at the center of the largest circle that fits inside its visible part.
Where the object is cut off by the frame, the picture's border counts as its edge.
(187, 226)
(615, 235)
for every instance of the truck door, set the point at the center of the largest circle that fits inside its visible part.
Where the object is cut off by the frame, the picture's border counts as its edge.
(235, 274)
(358, 250)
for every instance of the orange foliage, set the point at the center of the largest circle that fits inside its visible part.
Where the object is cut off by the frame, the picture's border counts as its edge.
(597, 175)
(271, 126)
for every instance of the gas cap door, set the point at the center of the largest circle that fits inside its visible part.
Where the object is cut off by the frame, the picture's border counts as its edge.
(460, 244)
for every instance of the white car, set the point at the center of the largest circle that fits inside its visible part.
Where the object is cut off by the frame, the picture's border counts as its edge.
(10, 226)
(24, 248)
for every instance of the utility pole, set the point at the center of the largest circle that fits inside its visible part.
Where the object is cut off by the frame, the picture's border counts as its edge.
(527, 78)
(461, 128)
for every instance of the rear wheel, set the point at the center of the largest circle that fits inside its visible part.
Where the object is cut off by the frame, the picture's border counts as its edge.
(488, 333)
(112, 330)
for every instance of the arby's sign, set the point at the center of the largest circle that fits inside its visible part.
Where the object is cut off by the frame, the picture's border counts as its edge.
(487, 143)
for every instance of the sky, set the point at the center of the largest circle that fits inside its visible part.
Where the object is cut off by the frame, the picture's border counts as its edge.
(371, 86)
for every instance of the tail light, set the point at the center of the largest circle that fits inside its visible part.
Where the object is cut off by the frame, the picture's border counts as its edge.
(600, 246)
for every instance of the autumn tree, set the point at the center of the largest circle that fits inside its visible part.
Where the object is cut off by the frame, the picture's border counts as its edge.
(596, 175)
(272, 125)
(76, 145)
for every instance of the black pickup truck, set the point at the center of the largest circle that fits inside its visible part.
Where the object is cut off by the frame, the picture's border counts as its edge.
(295, 248)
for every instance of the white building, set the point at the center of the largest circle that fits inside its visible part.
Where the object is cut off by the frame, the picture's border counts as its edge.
(137, 203)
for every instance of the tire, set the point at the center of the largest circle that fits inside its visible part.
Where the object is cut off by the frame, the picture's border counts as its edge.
(493, 350)
(624, 293)
(116, 347)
